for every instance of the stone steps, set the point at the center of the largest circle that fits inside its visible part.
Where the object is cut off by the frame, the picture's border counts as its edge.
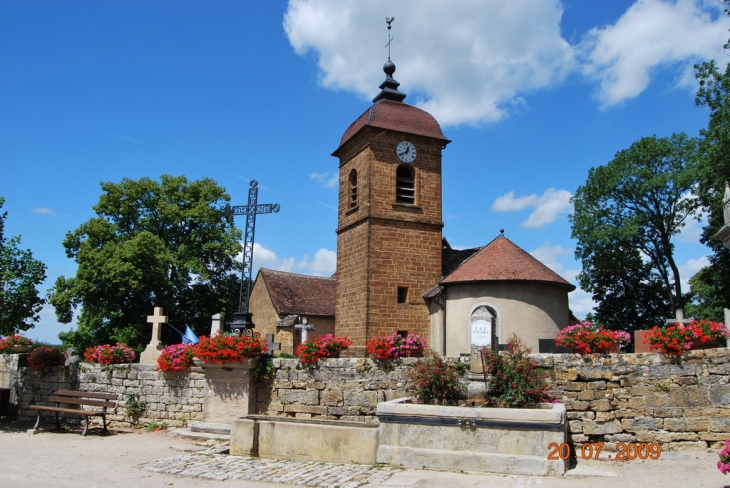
(205, 430)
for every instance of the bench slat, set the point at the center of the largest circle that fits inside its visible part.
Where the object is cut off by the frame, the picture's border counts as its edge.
(81, 401)
(86, 394)
(87, 413)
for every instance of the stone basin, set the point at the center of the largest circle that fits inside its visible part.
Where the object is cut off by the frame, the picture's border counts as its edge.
(495, 440)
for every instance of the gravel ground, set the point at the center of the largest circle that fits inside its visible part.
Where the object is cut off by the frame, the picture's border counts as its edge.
(144, 459)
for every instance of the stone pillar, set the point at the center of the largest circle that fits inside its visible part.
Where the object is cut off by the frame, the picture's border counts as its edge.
(217, 325)
(229, 393)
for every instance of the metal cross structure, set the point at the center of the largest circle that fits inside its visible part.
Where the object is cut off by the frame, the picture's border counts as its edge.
(250, 211)
(389, 20)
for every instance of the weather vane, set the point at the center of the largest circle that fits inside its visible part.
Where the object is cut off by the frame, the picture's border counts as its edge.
(389, 20)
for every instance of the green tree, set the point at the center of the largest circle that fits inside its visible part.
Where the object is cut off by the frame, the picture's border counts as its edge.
(624, 219)
(20, 276)
(713, 172)
(703, 301)
(169, 244)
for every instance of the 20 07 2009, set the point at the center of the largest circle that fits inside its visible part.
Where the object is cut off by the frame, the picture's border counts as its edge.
(625, 451)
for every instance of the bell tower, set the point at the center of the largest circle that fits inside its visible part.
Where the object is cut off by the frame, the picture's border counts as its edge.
(389, 218)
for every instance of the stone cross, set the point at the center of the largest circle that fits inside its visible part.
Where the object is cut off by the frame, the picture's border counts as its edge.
(678, 318)
(157, 319)
(273, 346)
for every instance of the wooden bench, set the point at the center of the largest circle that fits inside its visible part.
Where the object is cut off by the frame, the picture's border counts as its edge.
(80, 398)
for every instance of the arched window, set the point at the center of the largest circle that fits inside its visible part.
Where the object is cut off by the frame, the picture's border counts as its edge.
(485, 330)
(405, 191)
(353, 188)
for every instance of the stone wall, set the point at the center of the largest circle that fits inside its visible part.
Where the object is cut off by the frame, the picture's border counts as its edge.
(676, 401)
(175, 399)
(336, 389)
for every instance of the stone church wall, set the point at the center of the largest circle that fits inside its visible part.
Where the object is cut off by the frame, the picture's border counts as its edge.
(676, 401)
(532, 311)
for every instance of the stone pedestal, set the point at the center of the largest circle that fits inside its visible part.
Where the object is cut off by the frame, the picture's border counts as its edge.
(150, 354)
(639, 345)
(228, 391)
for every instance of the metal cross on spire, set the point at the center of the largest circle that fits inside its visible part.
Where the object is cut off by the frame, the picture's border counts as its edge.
(389, 21)
(242, 318)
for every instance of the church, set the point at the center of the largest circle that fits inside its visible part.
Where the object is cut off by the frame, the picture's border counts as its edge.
(395, 271)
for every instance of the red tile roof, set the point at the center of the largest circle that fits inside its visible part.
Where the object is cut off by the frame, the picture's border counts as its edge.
(503, 260)
(388, 114)
(300, 294)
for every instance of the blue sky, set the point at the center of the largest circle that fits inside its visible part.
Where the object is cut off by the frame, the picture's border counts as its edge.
(533, 93)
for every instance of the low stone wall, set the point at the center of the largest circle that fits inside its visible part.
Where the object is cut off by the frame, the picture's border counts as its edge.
(676, 401)
(172, 398)
(334, 389)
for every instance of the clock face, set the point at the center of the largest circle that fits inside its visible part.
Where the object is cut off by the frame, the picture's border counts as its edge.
(406, 151)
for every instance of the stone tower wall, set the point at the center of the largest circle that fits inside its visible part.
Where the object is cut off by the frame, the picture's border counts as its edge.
(383, 245)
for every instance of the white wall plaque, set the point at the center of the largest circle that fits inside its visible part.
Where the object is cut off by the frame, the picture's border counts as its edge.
(481, 333)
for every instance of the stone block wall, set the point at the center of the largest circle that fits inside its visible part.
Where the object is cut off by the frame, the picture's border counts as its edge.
(336, 389)
(676, 401)
(172, 398)
(679, 402)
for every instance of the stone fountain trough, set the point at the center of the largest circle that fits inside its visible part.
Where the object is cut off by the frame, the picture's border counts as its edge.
(495, 440)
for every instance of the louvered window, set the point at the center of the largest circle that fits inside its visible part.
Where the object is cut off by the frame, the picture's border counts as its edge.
(353, 188)
(405, 191)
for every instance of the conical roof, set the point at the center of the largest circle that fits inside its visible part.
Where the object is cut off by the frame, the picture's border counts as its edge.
(389, 112)
(503, 260)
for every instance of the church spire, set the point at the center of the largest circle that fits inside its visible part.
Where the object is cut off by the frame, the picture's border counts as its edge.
(389, 88)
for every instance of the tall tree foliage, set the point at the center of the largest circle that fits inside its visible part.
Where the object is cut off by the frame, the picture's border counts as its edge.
(169, 244)
(20, 275)
(624, 219)
(712, 284)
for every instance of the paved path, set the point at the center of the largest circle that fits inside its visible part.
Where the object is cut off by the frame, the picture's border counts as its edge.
(157, 460)
(224, 467)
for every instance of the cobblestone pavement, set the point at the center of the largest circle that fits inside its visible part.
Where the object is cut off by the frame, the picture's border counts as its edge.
(214, 464)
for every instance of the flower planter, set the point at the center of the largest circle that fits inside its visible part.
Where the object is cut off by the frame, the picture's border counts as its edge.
(706, 345)
(20, 349)
(612, 349)
(414, 353)
(496, 440)
(228, 391)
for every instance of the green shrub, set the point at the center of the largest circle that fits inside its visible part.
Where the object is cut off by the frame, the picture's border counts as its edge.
(515, 380)
(435, 380)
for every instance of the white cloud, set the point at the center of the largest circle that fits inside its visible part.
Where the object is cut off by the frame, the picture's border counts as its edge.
(464, 62)
(550, 256)
(651, 34)
(581, 303)
(691, 232)
(508, 202)
(547, 207)
(553, 257)
(324, 262)
(266, 258)
(689, 269)
(324, 179)
(473, 61)
(44, 211)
